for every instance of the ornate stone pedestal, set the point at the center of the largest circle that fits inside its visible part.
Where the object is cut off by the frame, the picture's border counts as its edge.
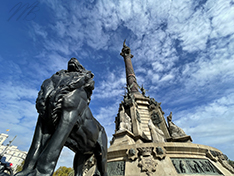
(145, 145)
(164, 159)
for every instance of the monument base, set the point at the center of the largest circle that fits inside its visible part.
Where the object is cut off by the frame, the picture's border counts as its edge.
(164, 159)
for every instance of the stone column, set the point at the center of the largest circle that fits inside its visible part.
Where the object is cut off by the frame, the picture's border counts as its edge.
(130, 75)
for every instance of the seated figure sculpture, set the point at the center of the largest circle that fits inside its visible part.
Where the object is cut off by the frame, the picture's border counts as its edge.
(156, 134)
(125, 122)
(66, 120)
(175, 131)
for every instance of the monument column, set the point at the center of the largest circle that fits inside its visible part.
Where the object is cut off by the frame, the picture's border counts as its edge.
(138, 111)
(130, 75)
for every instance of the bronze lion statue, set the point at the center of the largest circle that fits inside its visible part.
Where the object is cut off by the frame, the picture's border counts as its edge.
(65, 119)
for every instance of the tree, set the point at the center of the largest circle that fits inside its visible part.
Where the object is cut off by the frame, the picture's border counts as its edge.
(62, 171)
(19, 167)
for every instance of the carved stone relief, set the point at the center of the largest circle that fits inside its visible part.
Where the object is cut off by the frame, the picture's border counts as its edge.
(223, 160)
(138, 116)
(216, 156)
(194, 166)
(147, 164)
(159, 152)
(213, 155)
(116, 168)
(146, 160)
(132, 154)
(155, 117)
(146, 157)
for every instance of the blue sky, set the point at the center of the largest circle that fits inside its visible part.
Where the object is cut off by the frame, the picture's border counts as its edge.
(183, 55)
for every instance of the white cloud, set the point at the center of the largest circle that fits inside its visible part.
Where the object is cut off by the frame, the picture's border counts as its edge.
(154, 77)
(222, 14)
(58, 45)
(196, 32)
(10, 91)
(166, 78)
(17, 112)
(209, 73)
(106, 116)
(112, 86)
(219, 110)
(39, 30)
(211, 123)
(157, 66)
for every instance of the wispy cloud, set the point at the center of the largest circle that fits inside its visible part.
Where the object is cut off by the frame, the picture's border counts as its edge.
(112, 86)
(18, 112)
(210, 123)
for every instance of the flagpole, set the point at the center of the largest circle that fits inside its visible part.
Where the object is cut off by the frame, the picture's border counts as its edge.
(7, 146)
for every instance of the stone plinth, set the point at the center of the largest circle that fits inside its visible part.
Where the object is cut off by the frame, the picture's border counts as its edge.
(167, 158)
(123, 138)
(164, 159)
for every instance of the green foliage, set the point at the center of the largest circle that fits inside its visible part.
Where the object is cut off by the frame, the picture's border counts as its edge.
(231, 163)
(19, 167)
(62, 171)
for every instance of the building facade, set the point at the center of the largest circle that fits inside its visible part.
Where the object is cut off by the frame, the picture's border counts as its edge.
(11, 154)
